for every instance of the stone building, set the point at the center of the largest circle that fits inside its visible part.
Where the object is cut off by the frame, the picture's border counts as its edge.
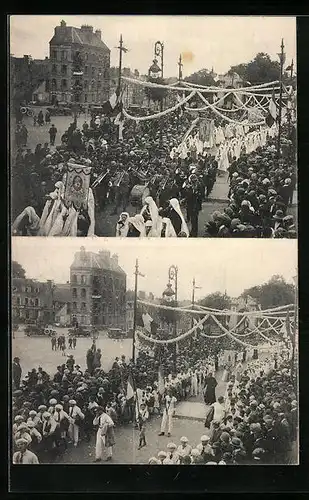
(27, 75)
(98, 290)
(32, 301)
(62, 304)
(80, 63)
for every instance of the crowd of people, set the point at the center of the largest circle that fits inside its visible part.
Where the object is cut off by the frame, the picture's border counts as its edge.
(165, 190)
(260, 193)
(254, 422)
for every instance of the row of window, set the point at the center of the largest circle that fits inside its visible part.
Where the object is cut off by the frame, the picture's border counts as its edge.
(64, 55)
(87, 71)
(97, 281)
(27, 301)
(25, 314)
(27, 289)
(83, 293)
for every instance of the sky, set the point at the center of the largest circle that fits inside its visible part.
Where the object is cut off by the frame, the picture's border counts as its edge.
(204, 41)
(217, 265)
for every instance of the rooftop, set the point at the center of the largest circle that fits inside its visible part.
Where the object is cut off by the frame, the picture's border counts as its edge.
(84, 36)
(100, 260)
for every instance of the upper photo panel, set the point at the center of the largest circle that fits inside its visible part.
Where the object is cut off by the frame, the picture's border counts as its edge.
(153, 126)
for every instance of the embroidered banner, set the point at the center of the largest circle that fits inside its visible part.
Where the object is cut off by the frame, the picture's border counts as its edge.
(77, 186)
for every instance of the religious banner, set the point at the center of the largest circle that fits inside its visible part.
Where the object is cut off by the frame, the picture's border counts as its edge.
(77, 185)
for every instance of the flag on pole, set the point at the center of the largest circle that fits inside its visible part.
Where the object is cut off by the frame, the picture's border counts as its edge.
(130, 388)
(289, 68)
(272, 111)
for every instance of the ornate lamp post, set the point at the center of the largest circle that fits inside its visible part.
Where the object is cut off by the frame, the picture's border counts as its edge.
(173, 276)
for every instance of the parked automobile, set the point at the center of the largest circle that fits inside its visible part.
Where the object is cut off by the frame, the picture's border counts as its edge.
(115, 333)
(80, 331)
(59, 110)
(34, 330)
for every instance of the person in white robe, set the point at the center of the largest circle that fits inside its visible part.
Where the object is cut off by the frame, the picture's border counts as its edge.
(138, 222)
(166, 228)
(176, 206)
(150, 209)
(122, 226)
(33, 225)
(105, 438)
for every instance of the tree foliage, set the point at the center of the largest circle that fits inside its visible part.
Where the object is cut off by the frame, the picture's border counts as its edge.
(260, 70)
(216, 300)
(156, 94)
(276, 292)
(17, 270)
(201, 77)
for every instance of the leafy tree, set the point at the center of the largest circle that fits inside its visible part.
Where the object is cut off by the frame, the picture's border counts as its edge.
(156, 94)
(276, 292)
(216, 300)
(17, 270)
(201, 77)
(260, 70)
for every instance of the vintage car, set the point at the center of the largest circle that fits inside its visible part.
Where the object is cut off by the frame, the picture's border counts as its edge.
(80, 331)
(34, 330)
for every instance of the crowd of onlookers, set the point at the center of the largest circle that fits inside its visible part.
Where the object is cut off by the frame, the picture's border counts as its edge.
(261, 189)
(255, 422)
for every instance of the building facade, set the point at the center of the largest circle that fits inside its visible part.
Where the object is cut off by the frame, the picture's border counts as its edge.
(27, 75)
(98, 290)
(79, 62)
(32, 301)
(133, 95)
(62, 302)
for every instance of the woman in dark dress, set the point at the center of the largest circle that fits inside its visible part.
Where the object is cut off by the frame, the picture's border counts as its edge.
(210, 389)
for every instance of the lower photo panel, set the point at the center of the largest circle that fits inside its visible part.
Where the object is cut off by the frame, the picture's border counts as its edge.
(154, 351)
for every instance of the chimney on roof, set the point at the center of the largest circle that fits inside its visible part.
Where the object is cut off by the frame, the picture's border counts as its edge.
(98, 33)
(63, 24)
(87, 29)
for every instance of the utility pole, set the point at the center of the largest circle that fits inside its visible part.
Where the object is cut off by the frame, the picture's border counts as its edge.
(136, 273)
(180, 65)
(281, 56)
(120, 62)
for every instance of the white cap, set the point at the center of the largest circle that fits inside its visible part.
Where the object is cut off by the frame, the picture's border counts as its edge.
(184, 439)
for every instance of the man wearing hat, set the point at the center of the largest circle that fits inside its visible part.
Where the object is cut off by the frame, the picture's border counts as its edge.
(23, 432)
(23, 455)
(184, 449)
(49, 429)
(36, 437)
(76, 417)
(204, 446)
(62, 420)
(168, 412)
(162, 456)
(172, 454)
